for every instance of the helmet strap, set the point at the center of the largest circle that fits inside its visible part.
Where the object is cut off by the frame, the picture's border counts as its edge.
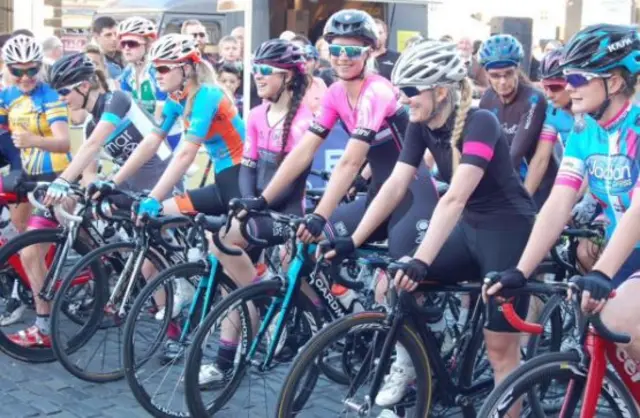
(85, 97)
(597, 115)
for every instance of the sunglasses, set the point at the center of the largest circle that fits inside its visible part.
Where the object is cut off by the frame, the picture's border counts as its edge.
(555, 86)
(199, 35)
(65, 91)
(129, 44)
(580, 79)
(412, 91)
(266, 70)
(351, 51)
(166, 68)
(21, 72)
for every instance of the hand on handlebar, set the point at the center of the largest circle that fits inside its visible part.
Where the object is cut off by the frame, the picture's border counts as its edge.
(311, 228)
(97, 188)
(149, 207)
(409, 273)
(242, 207)
(337, 249)
(57, 191)
(596, 288)
(508, 279)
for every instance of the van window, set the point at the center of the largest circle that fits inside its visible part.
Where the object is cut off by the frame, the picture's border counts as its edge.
(173, 24)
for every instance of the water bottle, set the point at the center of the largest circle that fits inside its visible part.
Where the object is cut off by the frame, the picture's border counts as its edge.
(347, 297)
(194, 255)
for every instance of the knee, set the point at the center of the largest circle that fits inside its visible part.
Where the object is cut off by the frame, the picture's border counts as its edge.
(586, 253)
(30, 255)
(503, 350)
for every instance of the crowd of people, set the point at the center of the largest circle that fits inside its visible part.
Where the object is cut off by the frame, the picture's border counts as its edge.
(516, 165)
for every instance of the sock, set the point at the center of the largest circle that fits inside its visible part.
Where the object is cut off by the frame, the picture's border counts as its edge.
(42, 322)
(402, 356)
(226, 355)
(462, 318)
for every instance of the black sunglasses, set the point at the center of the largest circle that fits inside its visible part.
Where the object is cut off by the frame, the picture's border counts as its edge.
(21, 72)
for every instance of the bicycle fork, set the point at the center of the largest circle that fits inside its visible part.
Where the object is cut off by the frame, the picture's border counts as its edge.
(51, 278)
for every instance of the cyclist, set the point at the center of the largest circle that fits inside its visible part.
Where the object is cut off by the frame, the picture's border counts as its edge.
(117, 125)
(273, 129)
(484, 219)
(139, 78)
(210, 119)
(37, 119)
(317, 87)
(519, 107)
(601, 64)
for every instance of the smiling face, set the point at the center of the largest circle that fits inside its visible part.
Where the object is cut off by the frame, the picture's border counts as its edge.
(25, 76)
(348, 67)
(422, 103)
(269, 80)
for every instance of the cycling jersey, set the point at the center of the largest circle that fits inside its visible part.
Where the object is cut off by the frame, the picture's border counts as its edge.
(522, 121)
(212, 121)
(499, 199)
(608, 154)
(149, 93)
(557, 124)
(376, 118)
(263, 152)
(132, 124)
(35, 112)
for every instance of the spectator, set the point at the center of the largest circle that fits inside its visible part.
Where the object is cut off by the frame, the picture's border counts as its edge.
(385, 58)
(229, 49)
(105, 36)
(238, 33)
(196, 29)
(230, 77)
(317, 87)
(323, 49)
(287, 35)
(52, 49)
(95, 55)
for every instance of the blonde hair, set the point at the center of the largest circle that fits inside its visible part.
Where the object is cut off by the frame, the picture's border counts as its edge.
(203, 74)
(466, 98)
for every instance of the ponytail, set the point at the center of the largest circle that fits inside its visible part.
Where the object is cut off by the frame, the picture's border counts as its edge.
(100, 81)
(298, 87)
(466, 96)
(203, 74)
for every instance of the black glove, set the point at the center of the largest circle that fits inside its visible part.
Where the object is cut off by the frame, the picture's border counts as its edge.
(255, 204)
(416, 270)
(343, 246)
(104, 187)
(509, 279)
(595, 282)
(360, 184)
(314, 224)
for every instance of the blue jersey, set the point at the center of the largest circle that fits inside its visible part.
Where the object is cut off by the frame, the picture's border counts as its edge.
(608, 155)
(557, 124)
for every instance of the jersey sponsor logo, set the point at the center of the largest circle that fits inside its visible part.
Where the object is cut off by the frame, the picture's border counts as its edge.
(571, 164)
(122, 146)
(615, 174)
(319, 130)
(422, 225)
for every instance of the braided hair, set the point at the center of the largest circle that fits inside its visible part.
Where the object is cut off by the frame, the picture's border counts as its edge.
(298, 87)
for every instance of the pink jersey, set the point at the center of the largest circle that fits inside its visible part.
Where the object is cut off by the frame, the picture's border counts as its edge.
(315, 93)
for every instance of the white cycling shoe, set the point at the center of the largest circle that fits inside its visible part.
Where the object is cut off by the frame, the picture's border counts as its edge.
(395, 385)
(182, 297)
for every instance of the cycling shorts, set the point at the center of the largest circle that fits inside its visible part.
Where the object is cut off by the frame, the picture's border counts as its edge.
(214, 198)
(631, 266)
(9, 154)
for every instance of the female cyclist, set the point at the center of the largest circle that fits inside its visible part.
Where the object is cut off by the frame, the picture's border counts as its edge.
(484, 219)
(519, 108)
(117, 125)
(273, 129)
(317, 87)
(37, 119)
(601, 64)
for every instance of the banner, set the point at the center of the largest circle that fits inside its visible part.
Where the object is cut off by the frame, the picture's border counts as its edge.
(231, 5)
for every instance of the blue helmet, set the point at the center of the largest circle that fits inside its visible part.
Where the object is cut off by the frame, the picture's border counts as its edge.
(500, 51)
(601, 48)
(311, 52)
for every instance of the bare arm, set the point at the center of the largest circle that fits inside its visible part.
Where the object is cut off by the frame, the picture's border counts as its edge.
(387, 199)
(428, 160)
(178, 166)
(298, 160)
(143, 153)
(538, 166)
(88, 151)
(90, 173)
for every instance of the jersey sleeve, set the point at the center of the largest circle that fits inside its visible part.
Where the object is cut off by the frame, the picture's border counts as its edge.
(480, 138)
(529, 128)
(116, 107)
(4, 113)
(205, 107)
(55, 109)
(327, 115)
(170, 113)
(573, 167)
(373, 109)
(415, 145)
(548, 133)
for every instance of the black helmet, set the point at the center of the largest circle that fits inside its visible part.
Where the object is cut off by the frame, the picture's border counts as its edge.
(550, 64)
(71, 69)
(601, 48)
(280, 53)
(351, 23)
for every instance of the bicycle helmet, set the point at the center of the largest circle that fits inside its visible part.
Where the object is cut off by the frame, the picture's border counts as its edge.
(601, 48)
(71, 70)
(175, 48)
(500, 51)
(351, 23)
(280, 54)
(22, 49)
(429, 64)
(550, 65)
(311, 52)
(137, 26)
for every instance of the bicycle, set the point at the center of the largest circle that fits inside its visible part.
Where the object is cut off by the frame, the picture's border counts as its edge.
(584, 368)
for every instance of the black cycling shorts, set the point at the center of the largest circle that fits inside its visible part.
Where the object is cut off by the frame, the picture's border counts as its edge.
(214, 198)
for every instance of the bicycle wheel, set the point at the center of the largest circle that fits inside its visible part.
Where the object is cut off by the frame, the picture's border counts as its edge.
(10, 260)
(416, 404)
(154, 346)
(207, 395)
(97, 327)
(553, 376)
(561, 332)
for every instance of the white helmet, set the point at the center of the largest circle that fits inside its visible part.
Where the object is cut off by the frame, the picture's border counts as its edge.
(138, 26)
(175, 48)
(22, 49)
(429, 64)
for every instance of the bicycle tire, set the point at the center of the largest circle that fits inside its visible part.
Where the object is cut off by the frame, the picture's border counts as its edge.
(14, 246)
(551, 313)
(62, 350)
(545, 366)
(129, 360)
(407, 336)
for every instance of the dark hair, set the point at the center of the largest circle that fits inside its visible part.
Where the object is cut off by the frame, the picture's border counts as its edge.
(102, 80)
(298, 86)
(476, 46)
(17, 32)
(101, 23)
(301, 38)
(231, 68)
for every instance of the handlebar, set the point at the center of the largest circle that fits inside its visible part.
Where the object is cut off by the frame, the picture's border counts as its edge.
(334, 270)
(323, 174)
(61, 210)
